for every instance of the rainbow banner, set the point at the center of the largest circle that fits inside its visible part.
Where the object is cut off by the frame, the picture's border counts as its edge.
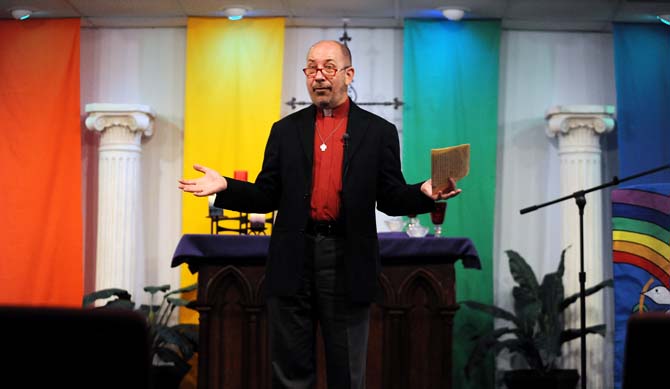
(641, 255)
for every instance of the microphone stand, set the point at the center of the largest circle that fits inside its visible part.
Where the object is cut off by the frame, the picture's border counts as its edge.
(580, 199)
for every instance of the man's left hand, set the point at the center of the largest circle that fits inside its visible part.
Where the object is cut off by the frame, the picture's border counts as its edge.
(449, 192)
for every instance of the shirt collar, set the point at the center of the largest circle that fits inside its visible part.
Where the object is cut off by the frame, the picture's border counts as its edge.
(338, 112)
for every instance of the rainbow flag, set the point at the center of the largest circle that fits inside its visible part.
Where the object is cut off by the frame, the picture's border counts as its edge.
(641, 255)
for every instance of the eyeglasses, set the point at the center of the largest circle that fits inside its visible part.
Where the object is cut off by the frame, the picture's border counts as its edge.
(328, 71)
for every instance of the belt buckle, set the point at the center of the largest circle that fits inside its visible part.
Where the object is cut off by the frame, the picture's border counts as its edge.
(322, 228)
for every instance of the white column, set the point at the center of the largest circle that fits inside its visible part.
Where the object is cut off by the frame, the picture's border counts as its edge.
(120, 258)
(578, 128)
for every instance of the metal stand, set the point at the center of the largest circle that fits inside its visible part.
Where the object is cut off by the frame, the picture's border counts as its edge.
(580, 199)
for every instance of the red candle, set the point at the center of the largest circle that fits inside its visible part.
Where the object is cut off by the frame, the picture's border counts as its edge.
(240, 175)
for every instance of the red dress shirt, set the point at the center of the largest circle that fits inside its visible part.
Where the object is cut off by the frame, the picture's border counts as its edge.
(327, 167)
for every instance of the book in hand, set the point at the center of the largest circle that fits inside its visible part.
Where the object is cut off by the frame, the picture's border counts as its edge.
(449, 162)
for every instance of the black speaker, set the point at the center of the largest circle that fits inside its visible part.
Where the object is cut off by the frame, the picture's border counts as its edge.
(74, 348)
(646, 350)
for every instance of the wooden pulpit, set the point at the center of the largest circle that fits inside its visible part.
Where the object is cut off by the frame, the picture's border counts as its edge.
(411, 324)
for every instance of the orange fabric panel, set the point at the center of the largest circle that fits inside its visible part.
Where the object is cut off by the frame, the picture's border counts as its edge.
(40, 163)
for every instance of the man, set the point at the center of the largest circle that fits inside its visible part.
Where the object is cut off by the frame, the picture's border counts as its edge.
(324, 169)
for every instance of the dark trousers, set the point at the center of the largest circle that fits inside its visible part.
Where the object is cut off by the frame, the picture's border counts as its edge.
(322, 300)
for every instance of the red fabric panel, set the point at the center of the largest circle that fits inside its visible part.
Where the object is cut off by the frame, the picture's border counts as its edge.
(40, 163)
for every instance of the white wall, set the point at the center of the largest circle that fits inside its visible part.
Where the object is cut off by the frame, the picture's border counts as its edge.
(538, 70)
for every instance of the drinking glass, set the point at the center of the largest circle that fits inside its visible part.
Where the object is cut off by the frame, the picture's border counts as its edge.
(413, 221)
(437, 217)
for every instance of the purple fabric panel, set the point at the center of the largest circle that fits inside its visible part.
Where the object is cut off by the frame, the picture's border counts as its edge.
(195, 249)
(641, 198)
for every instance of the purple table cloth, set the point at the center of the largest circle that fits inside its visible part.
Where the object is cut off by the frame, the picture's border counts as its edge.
(395, 248)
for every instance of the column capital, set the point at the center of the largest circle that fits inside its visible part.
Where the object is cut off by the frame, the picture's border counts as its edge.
(562, 119)
(132, 117)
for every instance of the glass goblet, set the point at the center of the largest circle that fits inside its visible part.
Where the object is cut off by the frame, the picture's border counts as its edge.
(413, 221)
(437, 217)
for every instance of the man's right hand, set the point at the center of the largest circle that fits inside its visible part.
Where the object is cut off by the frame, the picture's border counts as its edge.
(212, 182)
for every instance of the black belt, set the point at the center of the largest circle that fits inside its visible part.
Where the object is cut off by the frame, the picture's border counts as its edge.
(326, 228)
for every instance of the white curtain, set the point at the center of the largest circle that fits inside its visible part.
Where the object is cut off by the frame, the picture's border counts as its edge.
(139, 66)
(540, 70)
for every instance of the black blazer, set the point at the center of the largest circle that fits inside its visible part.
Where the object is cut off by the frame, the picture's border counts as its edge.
(371, 174)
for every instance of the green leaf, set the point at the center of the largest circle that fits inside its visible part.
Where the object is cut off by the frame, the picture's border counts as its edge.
(572, 333)
(561, 267)
(185, 289)
(148, 310)
(524, 347)
(551, 294)
(527, 306)
(521, 271)
(190, 332)
(119, 304)
(483, 345)
(105, 294)
(526, 294)
(173, 336)
(490, 343)
(550, 322)
(493, 311)
(587, 292)
(156, 289)
(178, 301)
(170, 356)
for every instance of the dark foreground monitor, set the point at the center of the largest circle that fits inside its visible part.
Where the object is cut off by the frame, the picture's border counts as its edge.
(73, 348)
(646, 349)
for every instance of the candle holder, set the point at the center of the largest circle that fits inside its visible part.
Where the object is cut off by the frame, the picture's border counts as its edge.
(257, 223)
(243, 225)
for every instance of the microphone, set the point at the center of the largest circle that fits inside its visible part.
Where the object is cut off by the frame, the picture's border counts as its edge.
(345, 140)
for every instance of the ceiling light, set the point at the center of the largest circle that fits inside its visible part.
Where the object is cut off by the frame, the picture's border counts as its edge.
(21, 13)
(664, 19)
(454, 13)
(235, 13)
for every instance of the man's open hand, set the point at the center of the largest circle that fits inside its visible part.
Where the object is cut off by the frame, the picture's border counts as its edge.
(212, 182)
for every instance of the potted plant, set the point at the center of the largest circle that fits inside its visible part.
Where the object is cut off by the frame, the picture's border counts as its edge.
(538, 331)
(171, 345)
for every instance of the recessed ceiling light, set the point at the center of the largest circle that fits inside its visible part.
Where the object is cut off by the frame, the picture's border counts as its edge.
(21, 13)
(235, 13)
(454, 13)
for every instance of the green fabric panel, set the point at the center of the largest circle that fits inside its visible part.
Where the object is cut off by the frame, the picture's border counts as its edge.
(451, 97)
(641, 227)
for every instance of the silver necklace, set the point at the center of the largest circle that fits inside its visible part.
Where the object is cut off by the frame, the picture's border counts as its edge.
(323, 146)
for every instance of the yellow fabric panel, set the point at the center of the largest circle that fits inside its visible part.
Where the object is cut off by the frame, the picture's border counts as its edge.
(233, 95)
(645, 240)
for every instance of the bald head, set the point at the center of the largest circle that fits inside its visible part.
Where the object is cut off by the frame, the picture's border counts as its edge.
(346, 53)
